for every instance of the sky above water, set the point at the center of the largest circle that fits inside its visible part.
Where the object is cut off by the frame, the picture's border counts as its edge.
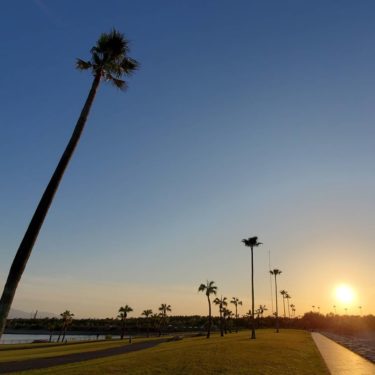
(245, 118)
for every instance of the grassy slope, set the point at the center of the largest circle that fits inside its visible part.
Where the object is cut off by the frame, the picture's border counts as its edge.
(289, 352)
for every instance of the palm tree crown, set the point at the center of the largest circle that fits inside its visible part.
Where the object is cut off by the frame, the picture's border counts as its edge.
(275, 272)
(147, 313)
(123, 311)
(67, 316)
(164, 308)
(251, 242)
(221, 302)
(236, 302)
(209, 288)
(109, 59)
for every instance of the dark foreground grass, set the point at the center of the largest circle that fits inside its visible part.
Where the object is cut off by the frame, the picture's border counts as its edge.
(289, 352)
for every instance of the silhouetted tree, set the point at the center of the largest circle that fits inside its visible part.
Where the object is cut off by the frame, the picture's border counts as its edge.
(288, 297)
(276, 272)
(227, 314)
(236, 302)
(292, 306)
(123, 314)
(208, 288)
(284, 293)
(67, 318)
(147, 314)
(164, 309)
(109, 61)
(222, 303)
(252, 242)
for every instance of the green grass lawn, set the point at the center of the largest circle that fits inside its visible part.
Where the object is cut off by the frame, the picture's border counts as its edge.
(31, 351)
(289, 352)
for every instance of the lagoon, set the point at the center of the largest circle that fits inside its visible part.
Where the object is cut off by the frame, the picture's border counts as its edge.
(15, 338)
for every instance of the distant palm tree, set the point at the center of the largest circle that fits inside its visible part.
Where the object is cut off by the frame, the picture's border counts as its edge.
(164, 309)
(147, 314)
(252, 242)
(288, 297)
(123, 314)
(284, 293)
(292, 306)
(248, 315)
(262, 309)
(209, 288)
(156, 321)
(227, 315)
(276, 272)
(313, 307)
(109, 61)
(222, 303)
(236, 302)
(334, 309)
(360, 310)
(67, 318)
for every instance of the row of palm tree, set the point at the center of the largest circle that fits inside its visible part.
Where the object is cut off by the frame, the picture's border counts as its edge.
(209, 288)
(164, 309)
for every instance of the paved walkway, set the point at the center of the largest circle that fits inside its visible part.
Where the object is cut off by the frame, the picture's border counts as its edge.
(32, 364)
(342, 361)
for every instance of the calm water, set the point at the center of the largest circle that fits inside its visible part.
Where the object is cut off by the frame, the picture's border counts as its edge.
(19, 338)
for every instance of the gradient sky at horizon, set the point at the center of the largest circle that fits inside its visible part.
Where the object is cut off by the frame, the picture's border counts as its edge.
(245, 118)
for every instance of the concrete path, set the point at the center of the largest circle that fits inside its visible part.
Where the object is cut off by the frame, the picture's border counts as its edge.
(341, 361)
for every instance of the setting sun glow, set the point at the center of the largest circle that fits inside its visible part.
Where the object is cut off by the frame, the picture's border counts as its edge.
(344, 293)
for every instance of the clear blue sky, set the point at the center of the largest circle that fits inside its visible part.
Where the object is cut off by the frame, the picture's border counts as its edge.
(245, 118)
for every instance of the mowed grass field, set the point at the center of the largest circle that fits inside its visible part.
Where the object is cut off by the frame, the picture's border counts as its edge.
(289, 352)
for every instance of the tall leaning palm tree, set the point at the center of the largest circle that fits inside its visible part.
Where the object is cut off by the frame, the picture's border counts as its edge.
(123, 314)
(252, 242)
(276, 272)
(209, 288)
(236, 302)
(109, 62)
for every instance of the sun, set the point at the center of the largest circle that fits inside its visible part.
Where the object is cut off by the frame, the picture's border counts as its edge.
(344, 293)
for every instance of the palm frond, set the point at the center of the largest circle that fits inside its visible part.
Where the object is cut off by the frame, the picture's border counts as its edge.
(119, 83)
(83, 65)
(202, 288)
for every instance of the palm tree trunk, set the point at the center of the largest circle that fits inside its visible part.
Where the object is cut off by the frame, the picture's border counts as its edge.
(64, 334)
(284, 307)
(252, 296)
(221, 323)
(209, 318)
(277, 308)
(28, 241)
(236, 320)
(288, 308)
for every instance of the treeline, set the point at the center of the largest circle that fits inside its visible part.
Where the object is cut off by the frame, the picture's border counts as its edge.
(341, 324)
